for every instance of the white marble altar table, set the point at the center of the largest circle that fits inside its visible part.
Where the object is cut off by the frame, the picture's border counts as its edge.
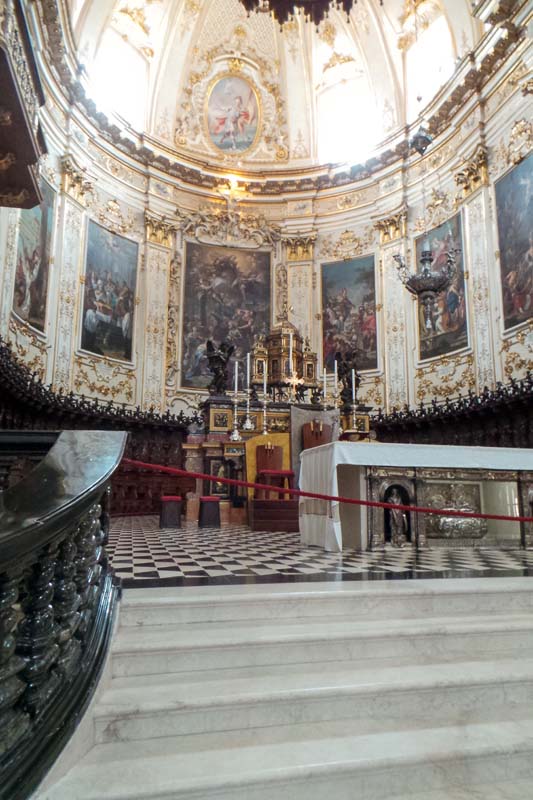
(339, 469)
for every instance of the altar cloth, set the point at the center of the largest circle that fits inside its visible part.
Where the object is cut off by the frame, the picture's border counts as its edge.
(339, 469)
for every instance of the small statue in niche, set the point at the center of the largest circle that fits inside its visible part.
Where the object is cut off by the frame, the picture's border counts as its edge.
(345, 364)
(398, 520)
(218, 358)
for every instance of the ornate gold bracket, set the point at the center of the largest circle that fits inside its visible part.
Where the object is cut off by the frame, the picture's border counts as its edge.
(158, 231)
(300, 247)
(473, 173)
(392, 228)
(216, 225)
(74, 182)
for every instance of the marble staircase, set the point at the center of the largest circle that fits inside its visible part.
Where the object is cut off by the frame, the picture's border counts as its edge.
(400, 689)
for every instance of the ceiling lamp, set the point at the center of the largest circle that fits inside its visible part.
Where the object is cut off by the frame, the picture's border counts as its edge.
(313, 10)
(428, 283)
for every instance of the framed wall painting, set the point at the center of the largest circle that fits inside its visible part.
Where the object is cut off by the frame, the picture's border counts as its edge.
(514, 214)
(33, 260)
(226, 298)
(109, 293)
(232, 113)
(447, 330)
(349, 321)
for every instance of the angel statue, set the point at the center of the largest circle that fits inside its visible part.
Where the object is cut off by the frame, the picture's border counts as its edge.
(345, 364)
(218, 358)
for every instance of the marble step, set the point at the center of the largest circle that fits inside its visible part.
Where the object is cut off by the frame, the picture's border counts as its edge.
(506, 790)
(389, 698)
(181, 648)
(382, 600)
(370, 767)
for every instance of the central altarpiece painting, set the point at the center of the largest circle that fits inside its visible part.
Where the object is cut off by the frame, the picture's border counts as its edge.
(226, 298)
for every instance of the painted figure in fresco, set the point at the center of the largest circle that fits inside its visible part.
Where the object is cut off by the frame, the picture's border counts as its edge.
(398, 520)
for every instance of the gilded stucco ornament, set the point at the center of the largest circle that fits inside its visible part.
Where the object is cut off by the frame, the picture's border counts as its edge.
(392, 227)
(347, 245)
(158, 230)
(96, 376)
(173, 320)
(300, 246)
(520, 141)
(473, 173)
(75, 183)
(110, 215)
(445, 377)
(282, 293)
(214, 224)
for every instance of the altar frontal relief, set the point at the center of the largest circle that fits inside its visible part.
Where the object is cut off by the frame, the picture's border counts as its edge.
(447, 330)
(33, 260)
(226, 298)
(514, 209)
(349, 311)
(109, 293)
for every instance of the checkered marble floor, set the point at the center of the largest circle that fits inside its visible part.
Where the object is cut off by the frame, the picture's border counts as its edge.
(143, 555)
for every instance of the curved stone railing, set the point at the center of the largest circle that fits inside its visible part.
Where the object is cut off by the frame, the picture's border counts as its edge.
(57, 601)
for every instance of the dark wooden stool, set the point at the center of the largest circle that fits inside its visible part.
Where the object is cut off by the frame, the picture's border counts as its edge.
(170, 514)
(209, 516)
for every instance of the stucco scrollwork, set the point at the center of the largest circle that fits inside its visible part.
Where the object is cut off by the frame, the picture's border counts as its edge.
(300, 246)
(282, 294)
(473, 173)
(109, 214)
(217, 225)
(516, 353)
(29, 348)
(173, 316)
(445, 377)
(75, 182)
(347, 245)
(102, 378)
(392, 227)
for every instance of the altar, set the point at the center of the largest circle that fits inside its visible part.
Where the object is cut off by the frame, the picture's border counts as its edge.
(492, 480)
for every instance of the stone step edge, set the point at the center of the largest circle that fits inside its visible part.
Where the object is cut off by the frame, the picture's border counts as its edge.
(429, 626)
(107, 708)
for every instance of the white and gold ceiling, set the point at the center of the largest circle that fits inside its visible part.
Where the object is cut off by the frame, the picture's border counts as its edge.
(213, 84)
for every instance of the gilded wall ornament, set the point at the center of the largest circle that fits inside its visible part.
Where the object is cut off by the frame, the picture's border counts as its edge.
(75, 182)
(393, 227)
(110, 215)
(473, 173)
(520, 141)
(300, 246)
(347, 245)
(282, 294)
(158, 230)
(212, 224)
(173, 321)
(95, 377)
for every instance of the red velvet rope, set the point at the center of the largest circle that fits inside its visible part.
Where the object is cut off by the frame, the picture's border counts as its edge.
(313, 495)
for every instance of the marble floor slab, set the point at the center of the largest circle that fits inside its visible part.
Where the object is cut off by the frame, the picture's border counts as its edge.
(145, 556)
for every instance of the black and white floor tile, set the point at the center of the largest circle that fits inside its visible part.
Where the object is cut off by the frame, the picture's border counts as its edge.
(144, 555)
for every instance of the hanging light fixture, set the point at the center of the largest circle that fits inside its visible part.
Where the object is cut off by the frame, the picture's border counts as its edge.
(313, 10)
(428, 283)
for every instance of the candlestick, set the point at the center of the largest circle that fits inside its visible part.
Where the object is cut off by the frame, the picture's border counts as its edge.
(235, 435)
(325, 385)
(248, 371)
(265, 381)
(336, 376)
(353, 386)
(290, 354)
(265, 427)
(248, 424)
(236, 377)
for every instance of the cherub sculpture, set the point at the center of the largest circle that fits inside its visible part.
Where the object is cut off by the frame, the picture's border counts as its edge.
(218, 358)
